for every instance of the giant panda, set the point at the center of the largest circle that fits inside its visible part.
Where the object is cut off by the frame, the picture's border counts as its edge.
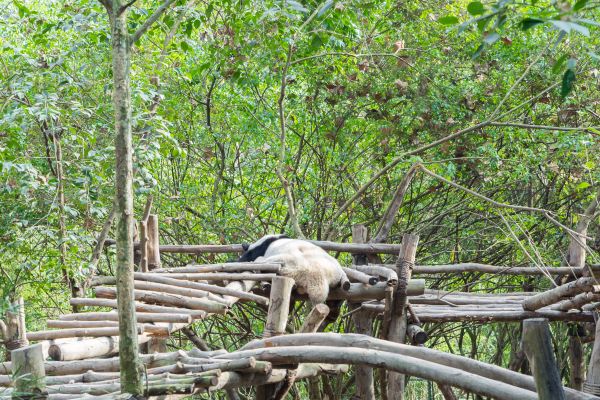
(313, 270)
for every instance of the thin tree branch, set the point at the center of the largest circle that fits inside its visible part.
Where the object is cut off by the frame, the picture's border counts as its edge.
(151, 20)
(396, 161)
(545, 213)
(547, 127)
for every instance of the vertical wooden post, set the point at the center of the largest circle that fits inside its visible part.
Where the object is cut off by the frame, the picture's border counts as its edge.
(279, 306)
(363, 323)
(277, 316)
(29, 372)
(16, 333)
(398, 323)
(153, 247)
(537, 345)
(576, 357)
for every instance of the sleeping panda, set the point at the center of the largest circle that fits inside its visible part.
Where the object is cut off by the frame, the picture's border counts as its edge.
(310, 266)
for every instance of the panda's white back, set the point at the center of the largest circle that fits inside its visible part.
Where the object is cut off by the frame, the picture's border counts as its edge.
(307, 264)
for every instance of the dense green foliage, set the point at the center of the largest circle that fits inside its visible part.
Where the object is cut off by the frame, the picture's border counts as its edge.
(366, 82)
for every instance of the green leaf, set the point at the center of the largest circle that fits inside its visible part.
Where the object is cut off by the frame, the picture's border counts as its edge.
(579, 5)
(567, 83)
(325, 8)
(572, 63)
(567, 27)
(589, 165)
(448, 20)
(588, 21)
(529, 23)
(478, 52)
(594, 56)
(559, 64)
(294, 5)
(583, 185)
(475, 8)
(491, 38)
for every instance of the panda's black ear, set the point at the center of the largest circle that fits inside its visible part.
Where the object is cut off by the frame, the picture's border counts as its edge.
(245, 246)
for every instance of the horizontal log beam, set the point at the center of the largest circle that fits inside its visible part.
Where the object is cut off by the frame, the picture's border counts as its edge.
(141, 307)
(435, 356)
(77, 333)
(493, 269)
(225, 267)
(403, 364)
(514, 315)
(355, 248)
(359, 292)
(140, 316)
(62, 324)
(557, 294)
(165, 299)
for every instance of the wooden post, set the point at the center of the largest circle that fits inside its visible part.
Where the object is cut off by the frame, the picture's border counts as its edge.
(279, 308)
(398, 323)
(16, 334)
(537, 345)
(153, 245)
(576, 357)
(363, 323)
(29, 372)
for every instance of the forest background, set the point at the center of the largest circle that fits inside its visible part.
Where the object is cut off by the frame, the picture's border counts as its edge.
(303, 117)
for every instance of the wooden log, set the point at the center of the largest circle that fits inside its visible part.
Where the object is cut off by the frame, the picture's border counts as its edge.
(143, 247)
(367, 248)
(225, 267)
(345, 341)
(592, 383)
(28, 372)
(555, 295)
(462, 268)
(361, 277)
(389, 276)
(279, 304)
(141, 317)
(16, 332)
(230, 290)
(358, 292)
(394, 362)
(215, 276)
(363, 320)
(416, 334)
(314, 319)
(537, 345)
(491, 316)
(398, 322)
(153, 247)
(163, 287)
(152, 329)
(576, 302)
(78, 333)
(576, 357)
(164, 299)
(146, 308)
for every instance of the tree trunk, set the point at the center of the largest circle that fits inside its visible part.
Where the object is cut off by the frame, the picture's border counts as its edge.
(131, 378)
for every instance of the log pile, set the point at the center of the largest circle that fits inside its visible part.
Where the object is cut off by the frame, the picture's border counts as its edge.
(82, 346)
